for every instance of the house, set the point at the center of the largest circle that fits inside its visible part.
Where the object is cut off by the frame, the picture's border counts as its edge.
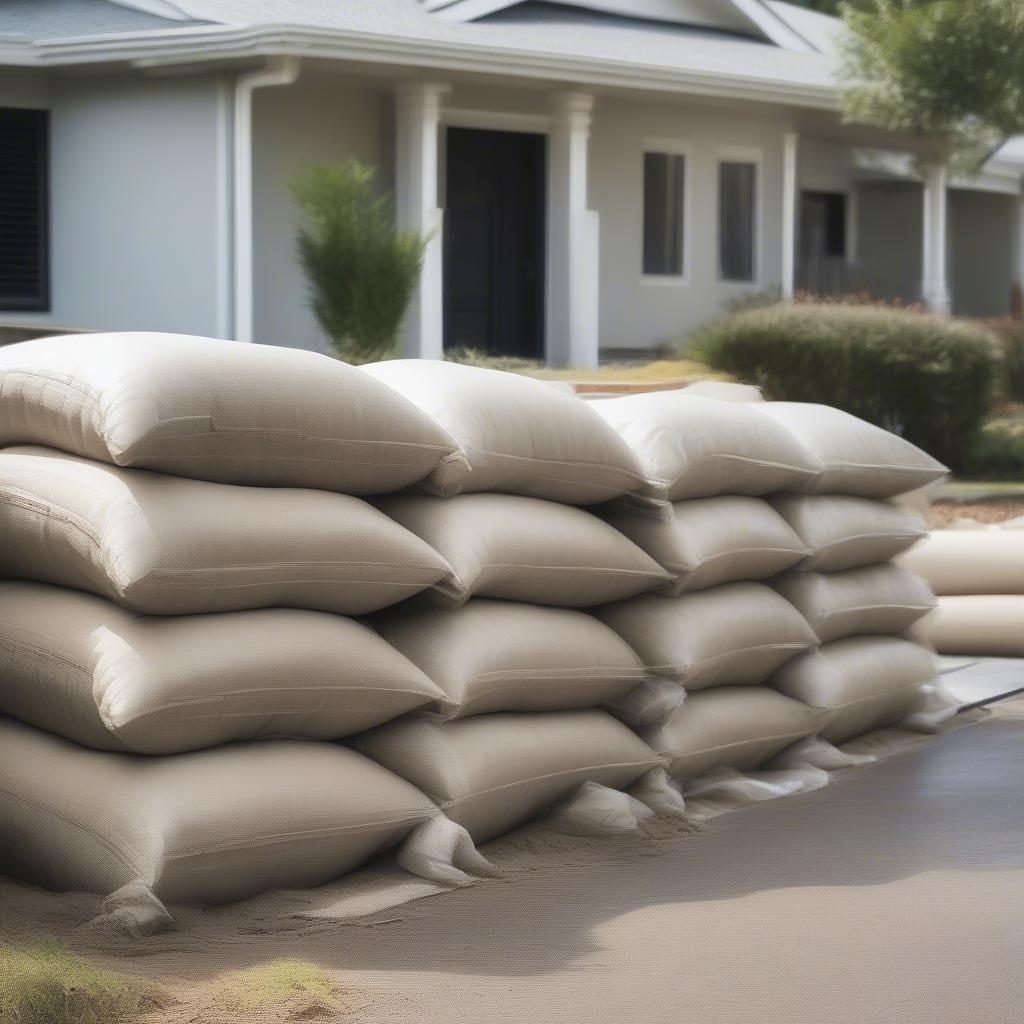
(598, 176)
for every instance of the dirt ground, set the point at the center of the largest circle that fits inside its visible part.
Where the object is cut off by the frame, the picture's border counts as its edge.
(944, 514)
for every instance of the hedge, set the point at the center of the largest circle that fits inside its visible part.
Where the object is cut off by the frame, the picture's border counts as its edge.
(926, 378)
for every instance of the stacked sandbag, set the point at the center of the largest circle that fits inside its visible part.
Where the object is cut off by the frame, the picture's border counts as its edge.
(533, 680)
(977, 571)
(181, 546)
(867, 674)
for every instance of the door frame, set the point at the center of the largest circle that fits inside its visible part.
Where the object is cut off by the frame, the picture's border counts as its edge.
(504, 121)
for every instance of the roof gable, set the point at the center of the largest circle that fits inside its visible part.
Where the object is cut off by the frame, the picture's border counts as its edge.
(743, 17)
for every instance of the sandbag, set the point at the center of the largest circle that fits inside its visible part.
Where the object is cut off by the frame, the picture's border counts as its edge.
(846, 533)
(988, 625)
(709, 541)
(492, 772)
(82, 667)
(521, 436)
(211, 826)
(163, 545)
(859, 458)
(737, 634)
(737, 727)
(524, 549)
(223, 411)
(691, 446)
(862, 683)
(503, 656)
(956, 562)
(876, 599)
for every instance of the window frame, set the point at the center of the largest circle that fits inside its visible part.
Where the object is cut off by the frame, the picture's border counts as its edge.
(669, 147)
(42, 301)
(741, 155)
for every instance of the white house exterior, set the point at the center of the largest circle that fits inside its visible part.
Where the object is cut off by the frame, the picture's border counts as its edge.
(598, 176)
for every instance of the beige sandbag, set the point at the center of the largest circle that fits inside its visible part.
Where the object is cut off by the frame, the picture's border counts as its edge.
(958, 562)
(860, 459)
(988, 625)
(220, 410)
(846, 533)
(80, 666)
(863, 683)
(691, 446)
(163, 545)
(525, 549)
(876, 599)
(709, 541)
(737, 634)
(521, 436)
(737, 727)
(211, 826)
(503, 656)
(492, 772)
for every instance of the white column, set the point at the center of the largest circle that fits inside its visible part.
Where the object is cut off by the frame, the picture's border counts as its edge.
(935, 287)
(790, 210)
(418, 120)
(573, 235)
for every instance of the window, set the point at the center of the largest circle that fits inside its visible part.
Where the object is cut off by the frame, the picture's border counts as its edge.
(664, 192)
(24, 214)
(737, 212)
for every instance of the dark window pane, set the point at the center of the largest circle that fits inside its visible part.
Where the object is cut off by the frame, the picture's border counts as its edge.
(23, 209)
(664, 190)
(737, 206)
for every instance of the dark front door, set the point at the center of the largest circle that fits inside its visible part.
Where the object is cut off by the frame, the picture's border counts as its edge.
(494, 242)
(822, 268)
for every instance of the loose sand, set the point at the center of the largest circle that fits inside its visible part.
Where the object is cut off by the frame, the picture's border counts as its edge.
(893, 895)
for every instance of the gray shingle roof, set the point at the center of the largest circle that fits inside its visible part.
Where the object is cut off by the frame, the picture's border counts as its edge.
(58, 19)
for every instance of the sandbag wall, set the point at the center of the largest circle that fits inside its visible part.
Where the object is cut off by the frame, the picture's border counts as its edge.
(183, 552)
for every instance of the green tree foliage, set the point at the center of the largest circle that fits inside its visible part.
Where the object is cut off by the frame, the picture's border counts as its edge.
(361, 270)
(948, 69)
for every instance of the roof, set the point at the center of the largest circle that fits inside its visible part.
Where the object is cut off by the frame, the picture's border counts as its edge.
(56, 19)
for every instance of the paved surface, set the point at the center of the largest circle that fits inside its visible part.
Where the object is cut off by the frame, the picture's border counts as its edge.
(981, 679)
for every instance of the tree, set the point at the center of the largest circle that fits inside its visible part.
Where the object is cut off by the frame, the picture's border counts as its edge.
(362, 271)
(949, 70)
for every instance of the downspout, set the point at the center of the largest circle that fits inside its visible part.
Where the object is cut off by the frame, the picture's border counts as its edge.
(279, 71)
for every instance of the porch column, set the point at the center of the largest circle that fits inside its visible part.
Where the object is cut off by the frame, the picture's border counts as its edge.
(790, 209)
(935, 287)
(573, 237)
(418, 120)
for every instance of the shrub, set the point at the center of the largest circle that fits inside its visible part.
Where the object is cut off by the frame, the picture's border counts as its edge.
(923, 377)
(998, 451)
(1010, 334)
(362, 271)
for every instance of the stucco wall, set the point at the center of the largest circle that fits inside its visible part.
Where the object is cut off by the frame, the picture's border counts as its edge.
(982, 239)
(134, 187)
(319, 118)
(639, 313)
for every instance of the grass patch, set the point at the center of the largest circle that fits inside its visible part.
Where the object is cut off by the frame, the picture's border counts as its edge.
(290, 988)
(45, 984)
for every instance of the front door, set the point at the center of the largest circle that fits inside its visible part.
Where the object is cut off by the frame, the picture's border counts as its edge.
(823, 265)
(494, 242)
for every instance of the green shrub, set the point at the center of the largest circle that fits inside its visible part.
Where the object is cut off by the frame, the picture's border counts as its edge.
(998, 451)
(925, 378)
(362, 271)
(1010, 334)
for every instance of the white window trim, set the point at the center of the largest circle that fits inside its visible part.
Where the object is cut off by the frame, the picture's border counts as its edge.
(672, 147)
(746, 155)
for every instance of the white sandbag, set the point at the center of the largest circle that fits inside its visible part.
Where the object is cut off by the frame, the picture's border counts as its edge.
(162, 545)
(861, 683)
(860, 459)
(709, 541)
(737, 634)
(504, 656)
(524, 549)
(489, 773)
(596, 810)
(657, 790)
(988, 625)
(846, 533)
(223, 411)
(692, 446)
(650, 704)
(521, 436)
(206, 827)
(441, 851)
(818, 753)
(724, 390)
(937, 706)
(962, 562)
(737, 727)
(82, 667)
(876, 599)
